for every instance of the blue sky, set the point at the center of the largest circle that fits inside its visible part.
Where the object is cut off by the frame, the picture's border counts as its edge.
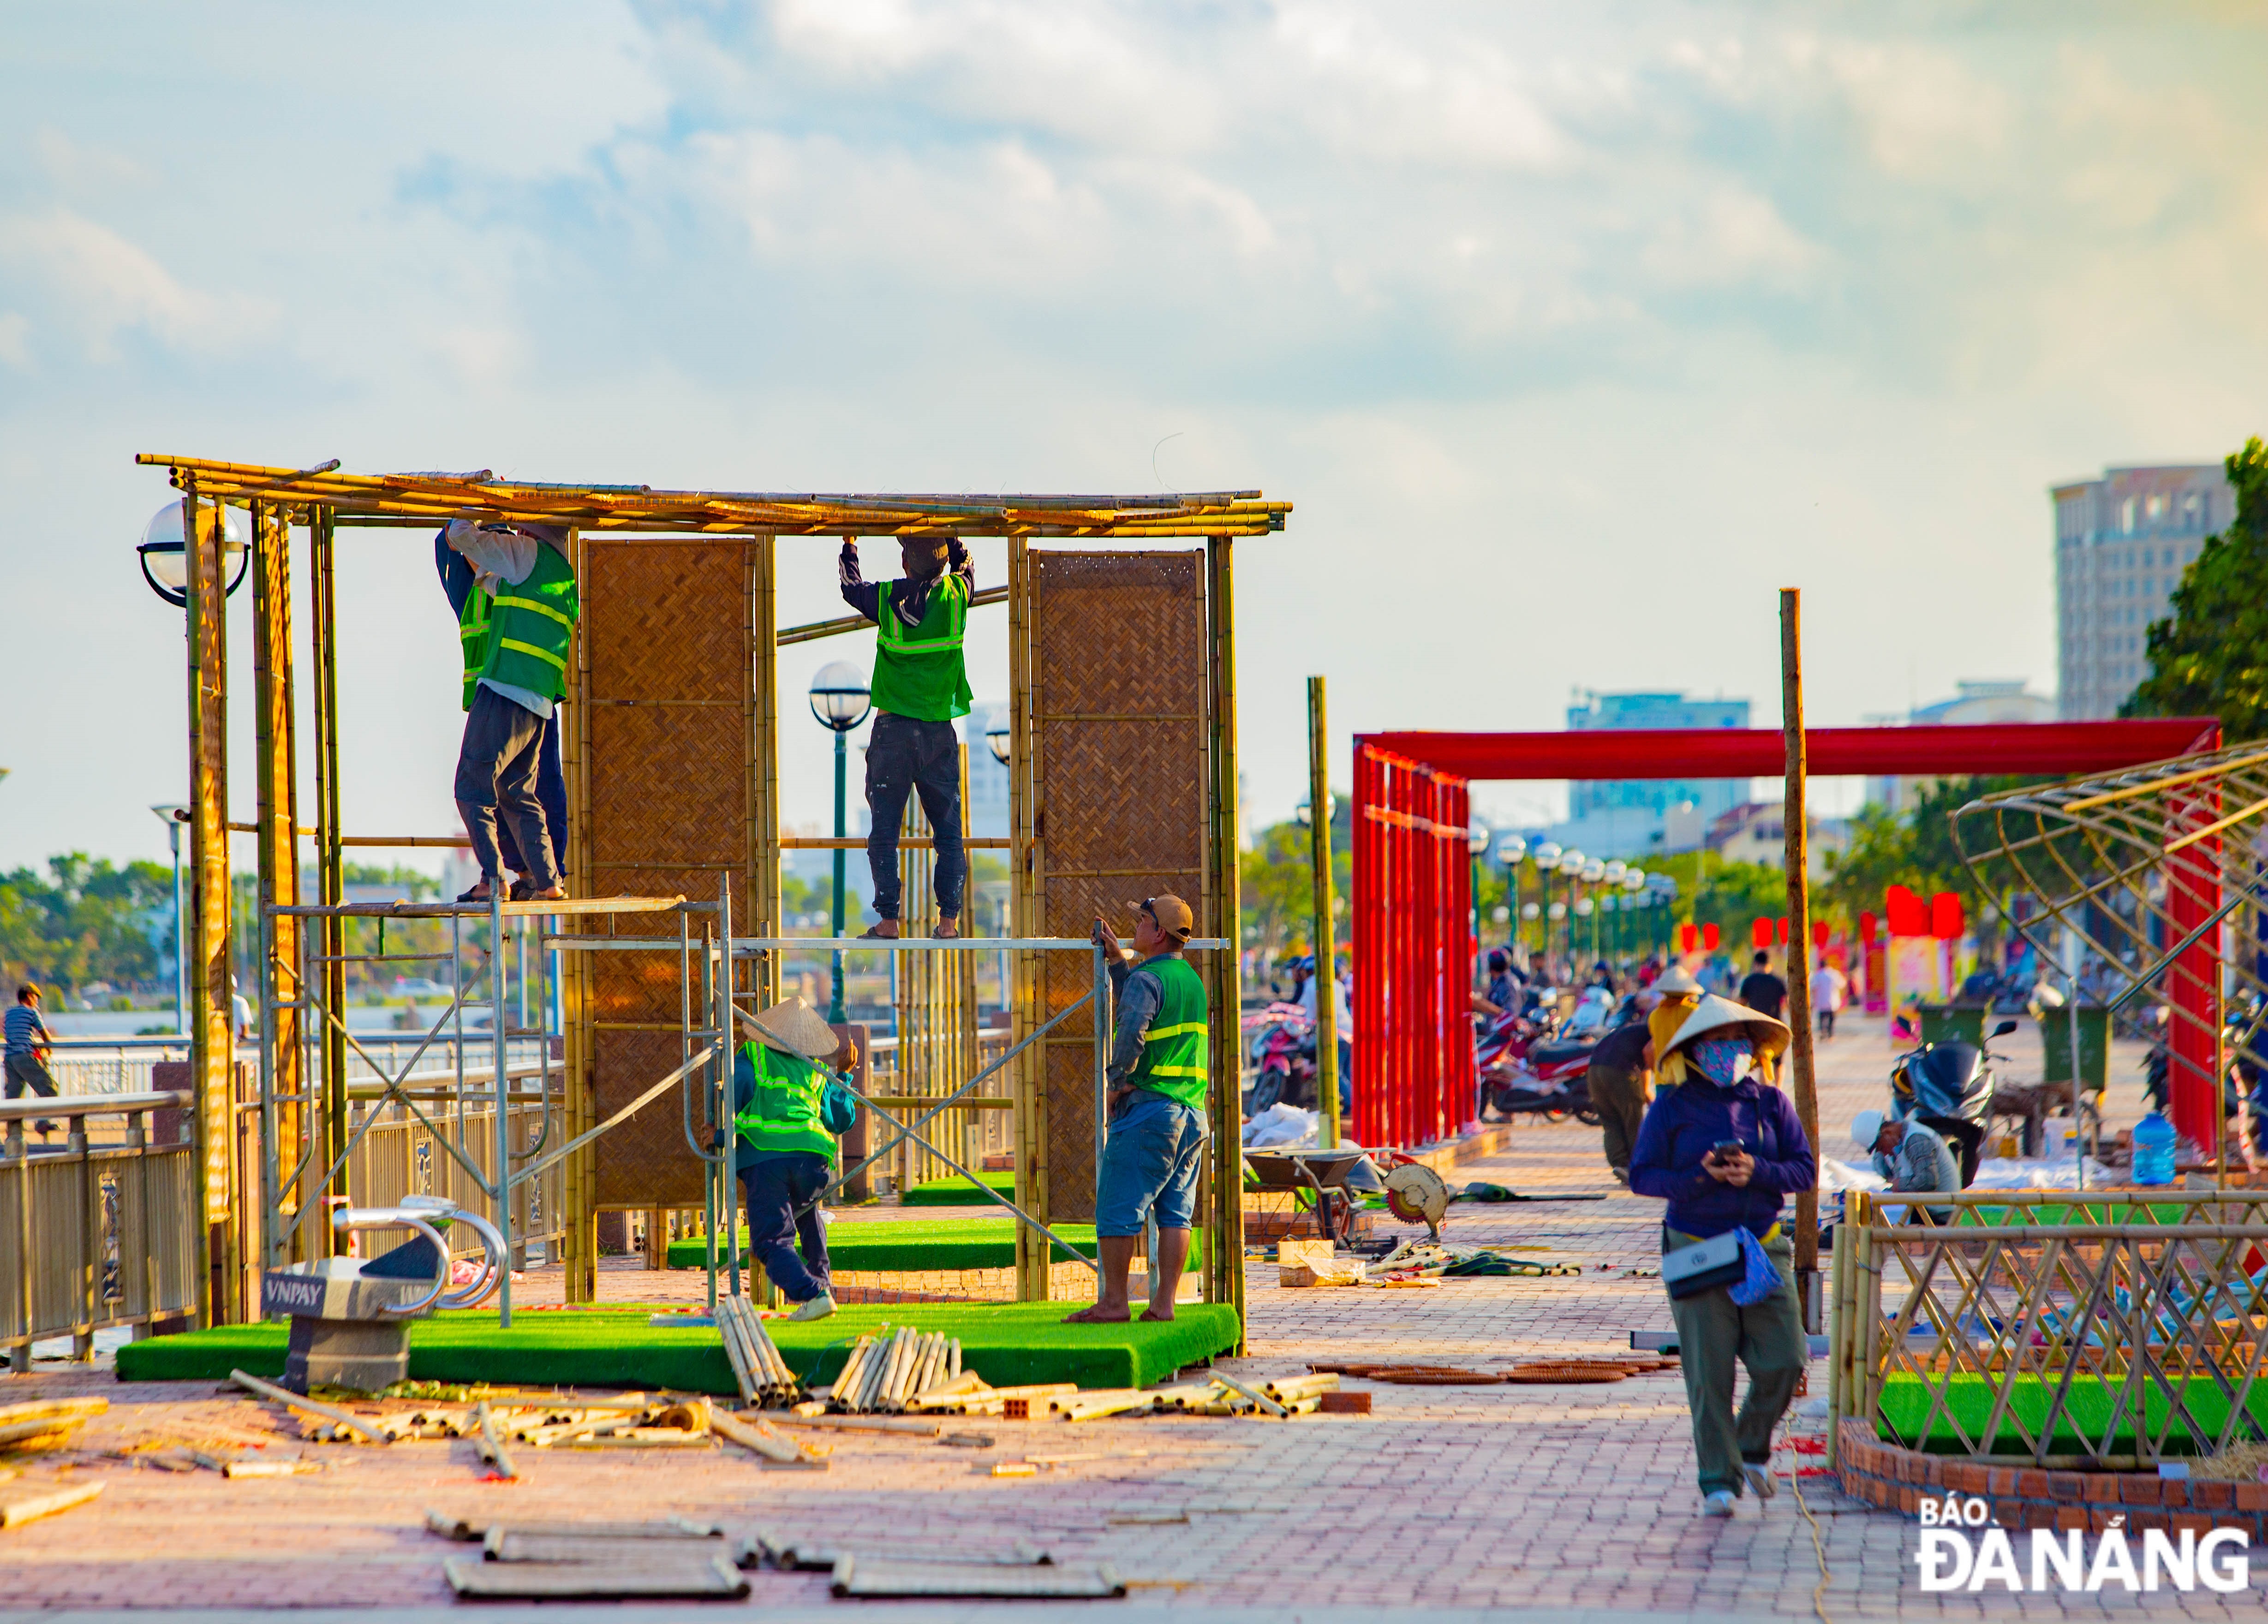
(1574, 332)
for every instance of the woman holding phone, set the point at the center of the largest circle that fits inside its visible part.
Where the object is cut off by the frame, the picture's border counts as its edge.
(1724, 1150)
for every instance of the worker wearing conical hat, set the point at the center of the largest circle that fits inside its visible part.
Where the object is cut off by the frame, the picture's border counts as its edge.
(1679, 992)
(787, 1113)
(1725, 1150)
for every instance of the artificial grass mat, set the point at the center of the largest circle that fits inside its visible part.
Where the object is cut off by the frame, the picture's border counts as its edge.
(1905, 1402)
(885, 1245)
(958, 1192)
(1008, 1344)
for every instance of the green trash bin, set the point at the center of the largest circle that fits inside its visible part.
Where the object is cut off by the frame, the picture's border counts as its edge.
(1952, 1022)
(2094, 1045)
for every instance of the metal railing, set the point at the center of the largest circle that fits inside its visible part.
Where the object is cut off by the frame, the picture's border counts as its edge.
(93, 1237)
(2105, 1330)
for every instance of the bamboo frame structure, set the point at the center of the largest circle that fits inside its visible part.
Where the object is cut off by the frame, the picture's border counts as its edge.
(324, 500)
(2133, 1313)
(2160, 871)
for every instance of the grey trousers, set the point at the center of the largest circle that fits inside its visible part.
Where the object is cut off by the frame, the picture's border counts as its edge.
(497, 770)
(1714, 1335)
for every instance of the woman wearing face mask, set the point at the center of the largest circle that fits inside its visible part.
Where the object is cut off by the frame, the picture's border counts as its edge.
(1723, 1151)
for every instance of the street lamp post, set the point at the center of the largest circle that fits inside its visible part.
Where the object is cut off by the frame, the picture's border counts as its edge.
(1477, 845)
(1546, 854)
(1509, 852)
(840, 699)
(1571, 867)
(175, 817)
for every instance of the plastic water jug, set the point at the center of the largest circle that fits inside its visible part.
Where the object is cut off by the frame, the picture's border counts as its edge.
(2153, 1150)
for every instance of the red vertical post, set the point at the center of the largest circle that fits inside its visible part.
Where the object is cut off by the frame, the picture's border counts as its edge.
(2193, 983)
(1369, 955)
(1462, 1082)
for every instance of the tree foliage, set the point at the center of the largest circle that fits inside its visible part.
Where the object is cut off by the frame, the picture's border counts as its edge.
(86, 920)
(1278, 881)
(2211, 658)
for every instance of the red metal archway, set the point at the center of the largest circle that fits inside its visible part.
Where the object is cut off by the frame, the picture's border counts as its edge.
(1414, 1079)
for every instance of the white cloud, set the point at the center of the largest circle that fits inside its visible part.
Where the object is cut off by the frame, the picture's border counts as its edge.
(104, 284)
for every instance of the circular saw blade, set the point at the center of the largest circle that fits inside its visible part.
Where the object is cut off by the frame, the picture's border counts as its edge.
(1415, 1194)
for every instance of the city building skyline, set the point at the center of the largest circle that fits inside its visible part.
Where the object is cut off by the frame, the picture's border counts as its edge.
(2121, 543)
(1624, 817)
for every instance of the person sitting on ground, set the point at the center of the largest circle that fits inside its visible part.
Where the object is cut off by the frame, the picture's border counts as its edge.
(473, 609)
(1912, 1154)
(1159, 1068)
(28, 1044)
(528, 586)
(920, 685)
(1677, 993)
(1725, 1150)
(788, 1111)
(1761, 990)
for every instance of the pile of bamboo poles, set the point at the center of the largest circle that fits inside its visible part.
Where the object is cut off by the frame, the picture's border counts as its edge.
(967, 1394)
(888, 1375)
(763, 1376)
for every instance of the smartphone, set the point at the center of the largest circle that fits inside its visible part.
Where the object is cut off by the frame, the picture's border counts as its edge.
(1723, 1149)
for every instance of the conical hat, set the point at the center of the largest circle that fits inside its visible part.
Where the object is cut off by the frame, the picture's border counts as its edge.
(794, 1026)
(1722, 1016)
(1677, 979)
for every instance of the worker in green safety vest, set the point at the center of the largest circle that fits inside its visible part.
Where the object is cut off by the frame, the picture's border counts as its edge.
(788, 1109)
(1159, 1070)
(920, 685)
(520, 613)
(471, 606)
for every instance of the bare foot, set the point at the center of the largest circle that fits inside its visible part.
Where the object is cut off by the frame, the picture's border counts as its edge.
(947, 928)
(1098, 1316)
(1153, 1315)
(881, 930)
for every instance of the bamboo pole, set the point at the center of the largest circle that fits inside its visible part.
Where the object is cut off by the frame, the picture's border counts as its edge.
(1794, 822)
(1224, 1275)
(330, 1413)
(323, 594)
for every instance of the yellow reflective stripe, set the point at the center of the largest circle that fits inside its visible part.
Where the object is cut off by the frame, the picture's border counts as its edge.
(1175, 1071)
(540, 607)
(544, 655)
(1183, 1030)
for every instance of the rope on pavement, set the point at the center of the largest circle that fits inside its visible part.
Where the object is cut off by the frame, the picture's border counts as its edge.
(1818, 1591)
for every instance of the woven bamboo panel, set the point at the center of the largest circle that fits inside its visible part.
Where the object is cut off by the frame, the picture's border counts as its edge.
(1120, 715)
(668, 637)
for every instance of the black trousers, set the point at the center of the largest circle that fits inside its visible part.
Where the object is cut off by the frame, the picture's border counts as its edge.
(906, 758)
(497, 768)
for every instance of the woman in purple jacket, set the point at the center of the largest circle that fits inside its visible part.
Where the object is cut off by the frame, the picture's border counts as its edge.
(1723, 1151)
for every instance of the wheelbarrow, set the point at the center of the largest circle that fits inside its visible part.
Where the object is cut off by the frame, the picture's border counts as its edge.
(1319, 1173)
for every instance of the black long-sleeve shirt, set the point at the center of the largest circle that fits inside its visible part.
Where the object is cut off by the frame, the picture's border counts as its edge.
(909, 597)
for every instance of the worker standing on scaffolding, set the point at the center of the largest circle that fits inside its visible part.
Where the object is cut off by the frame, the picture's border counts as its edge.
(920, 685)
(472, 607)
(788, 1111)
(1159, 1071)
(527, 589)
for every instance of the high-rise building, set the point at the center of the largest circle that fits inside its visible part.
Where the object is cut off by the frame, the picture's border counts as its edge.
(1623, 817)
(2122, 542)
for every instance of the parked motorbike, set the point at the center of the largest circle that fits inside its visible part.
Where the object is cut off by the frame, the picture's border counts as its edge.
(1280, 1042)
(1948, 1087)
(1524, 1067)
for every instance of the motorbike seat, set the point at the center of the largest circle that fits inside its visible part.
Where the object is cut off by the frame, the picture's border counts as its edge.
(1557, 1049)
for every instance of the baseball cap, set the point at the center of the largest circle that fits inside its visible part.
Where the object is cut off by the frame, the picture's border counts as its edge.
(1171, 913)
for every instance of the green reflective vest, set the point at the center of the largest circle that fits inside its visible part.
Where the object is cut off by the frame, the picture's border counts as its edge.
(1176, 1054)
(783, 1109)
(530, 627)
(917, 669)
(472, 636)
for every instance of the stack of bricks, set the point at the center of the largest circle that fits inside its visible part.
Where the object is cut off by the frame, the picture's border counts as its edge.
(2022, 1497)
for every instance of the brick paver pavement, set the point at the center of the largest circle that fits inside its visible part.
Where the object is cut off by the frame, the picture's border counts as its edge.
(1446, 1499)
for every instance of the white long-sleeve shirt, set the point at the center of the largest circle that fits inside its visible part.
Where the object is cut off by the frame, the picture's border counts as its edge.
(500, 557)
